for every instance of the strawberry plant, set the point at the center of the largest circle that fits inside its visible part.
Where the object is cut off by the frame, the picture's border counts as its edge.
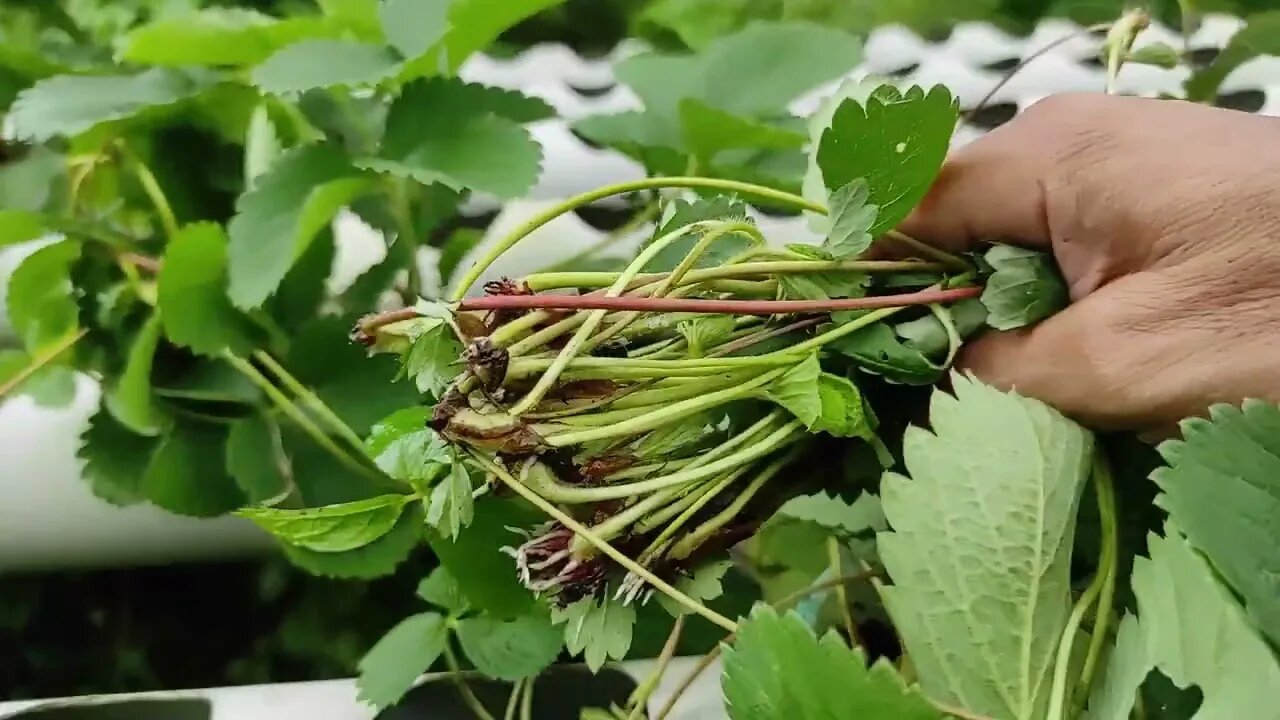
(581, 444)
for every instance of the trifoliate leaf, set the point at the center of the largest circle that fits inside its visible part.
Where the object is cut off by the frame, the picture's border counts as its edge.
(597, 629)
(19, 226)
(777, 669)
(834, 514)
(842, 413)
(1025, 288)
(797, 390)
(432, 362)
(980, 550)
(441, 589)
(510, 649)
(877, 349)
(403, 447)
(896, 142)
(703, 584)
(277, 220)
(256, 459)
(50, 386)
(851, 220)
(130, 399)
(215, 36)
(115, 459)
(378, 558)
(704, 333)
(333, 528)
(680, 213)
(41, 299)
(477, 561)
(1190, 629)
(1158, 54)
(192, 294)
(315, 64)
(1222, 488)
(412, 27)
(393, 664)
(68, 105)
(451, 507)
(441, 130)
(708, 130)
(1260, 36)
(187, 472)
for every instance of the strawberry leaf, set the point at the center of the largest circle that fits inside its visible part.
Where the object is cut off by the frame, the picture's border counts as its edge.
(41, 299)
(215, 36)
(378, 558)
(510, 649)
(115, 459)
(1025, 288)
(394, 663)
(316, 64)
(192, 294)
(597, 629)
(187, 472)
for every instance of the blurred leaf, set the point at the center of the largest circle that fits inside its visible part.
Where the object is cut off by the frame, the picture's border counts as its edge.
(41, 299)
(303, 291)
(255, 456)
(51, 386)
(834, 514)
(1260, 36)
(277, 220)
(115, 459)
(510, 649)
(395, 662)
(461, 242)
(475, 24)
(34, 182)
(679, 213)
(412, 27)
(187, 473)
(708, 130)
(192, 294)
(314, 64)
(216, 36)
(68, 105)
(19, 226)
(441, 589)
(130, 398)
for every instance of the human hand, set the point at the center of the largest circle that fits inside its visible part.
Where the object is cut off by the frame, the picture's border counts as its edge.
(1164, 217)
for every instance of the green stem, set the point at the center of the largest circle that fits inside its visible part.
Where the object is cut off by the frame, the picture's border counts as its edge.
(1104, 487)
(611, 552)
(842, 597)
(575, 202)
(514, 701)
(694, 540)
(468, 697)
(281, 401)
(310, 399)
(640, 698)
(560, 280)
(686, 511)
(1103, 585)
(151, 186)
(667, 414)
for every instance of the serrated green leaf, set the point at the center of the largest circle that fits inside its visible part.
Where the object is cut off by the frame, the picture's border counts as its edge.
(215, 36)
(680, 213)
(277, 220)
(704, 333)
(187, 472)
(441, 130)
(41, 299)
(451, 507)
(842, 413)
(403, 447)
(814, 188)
(777, 669)
(68, 105)
(597, 629)
(50, 386)
(877, 349)
(708, 130)
(19, 226)
(378, 558)
(316, 64)
(192, 294)
(433, 360)
(797, 390)
(333, 528)
(510, 649)
(392, 665)
(115, 459)
(1260, 36)
(1191, 629)
(130, 399)
(980, 550)
(834, 514)
(703, 584)
(1222, 488)
(896, 142)
(1025, 288)
(412, 27)
(475, 24)
(477, 561)
(441, 589)
(851, 220)
(255, 456)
